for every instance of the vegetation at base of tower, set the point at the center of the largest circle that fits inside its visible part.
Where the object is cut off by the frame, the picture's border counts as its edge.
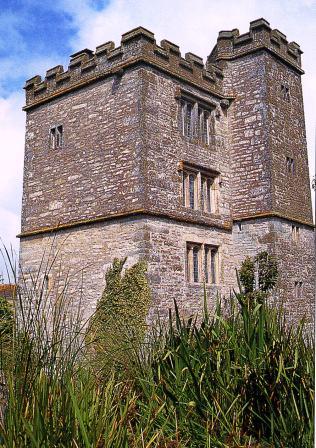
(236, 377)
(118, 327)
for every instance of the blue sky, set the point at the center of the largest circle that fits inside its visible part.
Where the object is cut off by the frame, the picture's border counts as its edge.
(37, 35)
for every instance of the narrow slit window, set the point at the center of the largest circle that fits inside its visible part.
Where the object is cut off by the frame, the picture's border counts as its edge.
(196, 250)
(206, 264)
(187, 122)
(213, 264)
(192, 178)
(290, 165)
(204, 126)
(295, 233)
(184, 187)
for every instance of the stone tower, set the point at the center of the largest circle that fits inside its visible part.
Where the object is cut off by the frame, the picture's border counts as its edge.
(136, 151)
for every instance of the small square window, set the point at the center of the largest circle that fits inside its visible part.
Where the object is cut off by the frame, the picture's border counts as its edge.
(56, 137)
(298, 289)
(285, 92)
(290, 165)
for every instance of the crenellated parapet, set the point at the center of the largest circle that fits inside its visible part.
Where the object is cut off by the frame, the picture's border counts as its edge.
(231, 45)
(138, 46)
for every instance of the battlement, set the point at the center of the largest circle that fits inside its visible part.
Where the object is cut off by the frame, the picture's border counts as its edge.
(138, 46)
(231, 44)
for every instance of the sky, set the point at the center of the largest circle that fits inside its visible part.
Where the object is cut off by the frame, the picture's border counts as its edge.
(37, 35)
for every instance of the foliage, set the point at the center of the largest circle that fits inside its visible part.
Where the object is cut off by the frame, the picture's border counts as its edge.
(118, 326)
(6, 318)
(258, 277)
(236, 379)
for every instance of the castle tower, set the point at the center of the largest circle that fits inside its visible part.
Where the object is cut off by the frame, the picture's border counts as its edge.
(269, 165)
(136, 151)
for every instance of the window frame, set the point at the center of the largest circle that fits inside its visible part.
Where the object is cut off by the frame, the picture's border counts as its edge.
(56, 137)
(208, 264)
(199, 109)
(206, 189)
(290, 165)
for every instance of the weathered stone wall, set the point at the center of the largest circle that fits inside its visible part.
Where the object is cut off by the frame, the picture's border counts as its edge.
(82, 257)
(287, 138)
(165, 147)
(248, 126)
(97, 171)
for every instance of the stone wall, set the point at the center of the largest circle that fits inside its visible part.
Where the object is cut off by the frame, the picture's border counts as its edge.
(97, 171)
(115, 187)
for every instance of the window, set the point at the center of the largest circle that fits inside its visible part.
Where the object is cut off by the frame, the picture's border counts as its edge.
(198, 255)
(199, 189)
(193, 257)
(295, 233)
(192, 182)
(187, 121)
(298, 289)
(207, 194)
(56, 137)
(204, 125)
(290, 165)
(210, 264)
(195, 121)
(285, 92)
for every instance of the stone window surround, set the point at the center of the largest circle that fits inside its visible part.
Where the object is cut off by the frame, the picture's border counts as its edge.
(198, 108)
(298, 289)
(290, 165)
(56, 136)
(209, 180)
(285, 92)
(202, 249)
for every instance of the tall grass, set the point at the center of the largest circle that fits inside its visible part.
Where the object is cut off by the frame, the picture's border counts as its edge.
(239, 379)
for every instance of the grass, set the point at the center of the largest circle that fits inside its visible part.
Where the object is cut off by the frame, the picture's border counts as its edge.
(242, 378)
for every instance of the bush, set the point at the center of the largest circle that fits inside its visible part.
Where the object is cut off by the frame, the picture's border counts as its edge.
(118, 327)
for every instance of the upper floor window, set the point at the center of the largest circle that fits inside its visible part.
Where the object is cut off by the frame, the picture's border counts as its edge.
(201, 263)
(199, 190)
(290, 165)
(195, 121)
(187, 118)
(56, 137)
(285, 92)
(204, 118)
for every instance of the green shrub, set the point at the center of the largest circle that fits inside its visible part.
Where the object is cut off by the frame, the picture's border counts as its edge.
(118, 327)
